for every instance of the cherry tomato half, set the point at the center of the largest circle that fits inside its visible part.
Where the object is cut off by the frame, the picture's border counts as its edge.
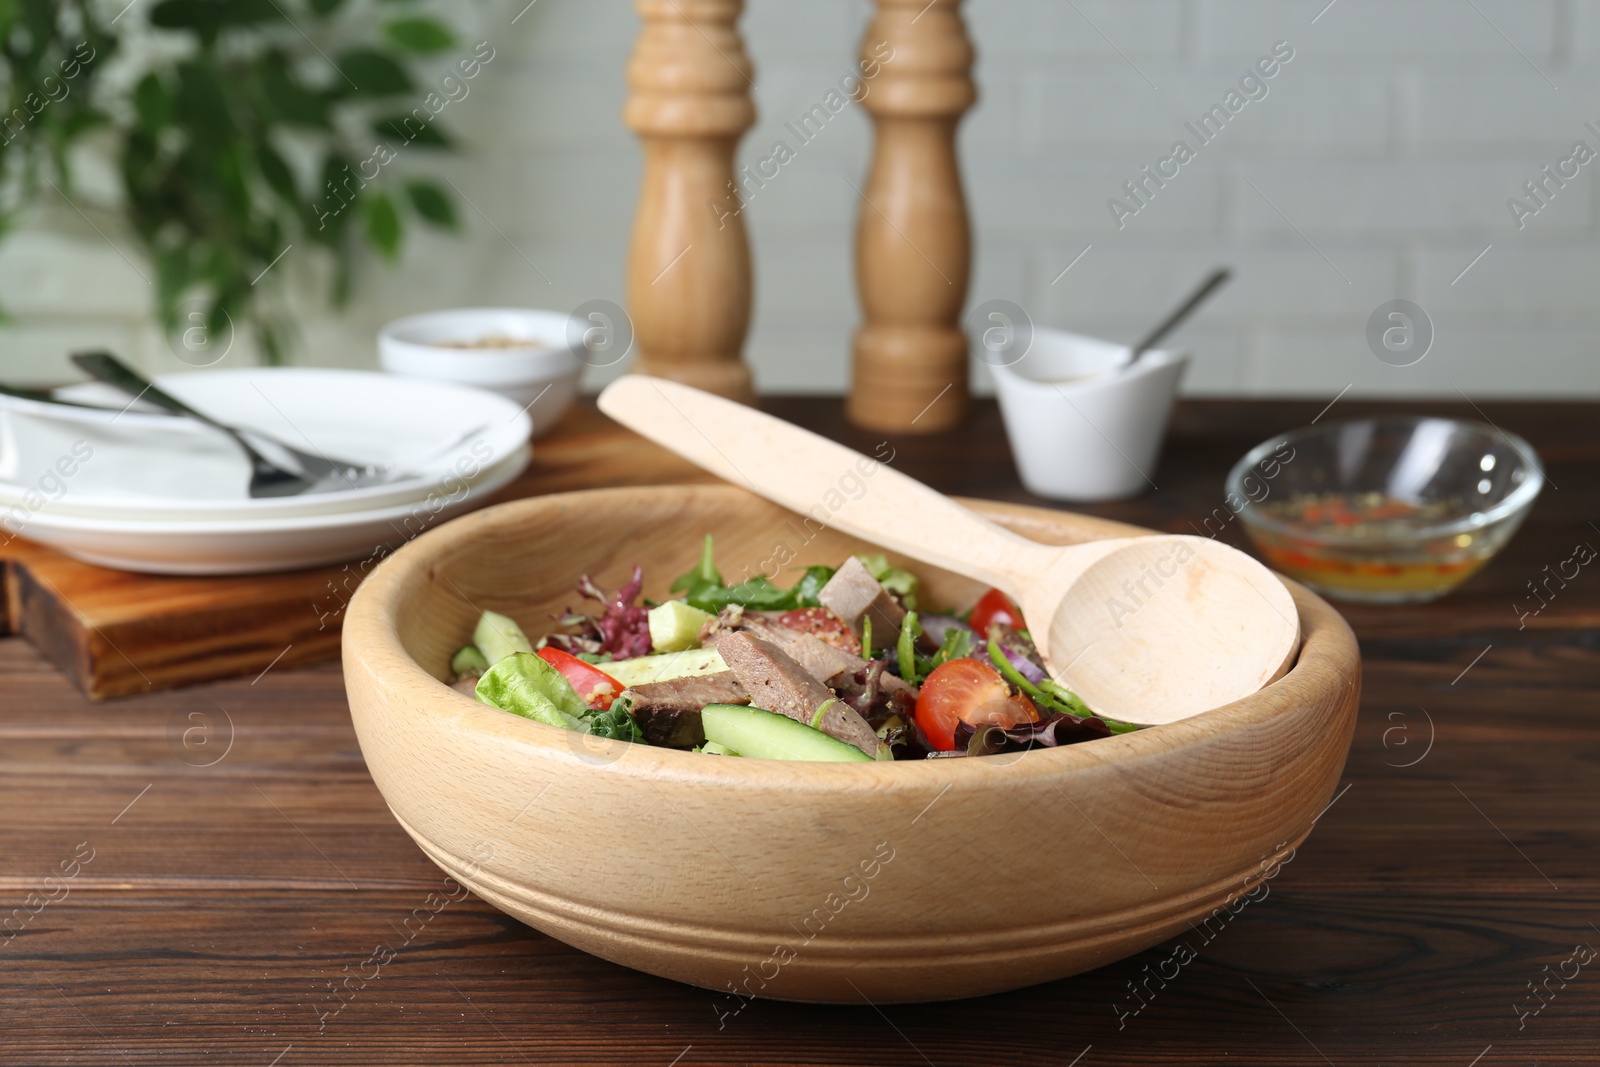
(994, 606)
(964, 690)
(594, 686)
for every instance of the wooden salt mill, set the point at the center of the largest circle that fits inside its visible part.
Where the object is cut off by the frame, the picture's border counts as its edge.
(689, 262)
(913, 243)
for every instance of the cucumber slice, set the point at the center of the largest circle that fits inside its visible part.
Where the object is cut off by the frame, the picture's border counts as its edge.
(758, 734)
(711, 748)
(498, 636)
(664, 667)
(469, 660)
(675, 626)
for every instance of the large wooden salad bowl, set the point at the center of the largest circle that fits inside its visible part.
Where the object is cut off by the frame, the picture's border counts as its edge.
(909, 881)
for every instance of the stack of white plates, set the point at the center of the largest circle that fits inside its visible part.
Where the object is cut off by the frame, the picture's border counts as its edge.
(136, 489)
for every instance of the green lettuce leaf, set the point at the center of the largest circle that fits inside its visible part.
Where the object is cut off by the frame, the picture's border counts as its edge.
(526, 685)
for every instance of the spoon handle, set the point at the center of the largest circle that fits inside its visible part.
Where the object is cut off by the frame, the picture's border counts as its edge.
(823, 481)
(1180, 314)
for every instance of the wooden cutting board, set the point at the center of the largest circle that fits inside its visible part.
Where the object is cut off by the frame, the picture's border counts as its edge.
(116, 634)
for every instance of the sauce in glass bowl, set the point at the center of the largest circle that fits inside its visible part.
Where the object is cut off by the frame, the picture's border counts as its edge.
(1390, 509)
(1384, 550)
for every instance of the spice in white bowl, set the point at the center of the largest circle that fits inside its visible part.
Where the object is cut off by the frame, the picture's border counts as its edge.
(525, 355)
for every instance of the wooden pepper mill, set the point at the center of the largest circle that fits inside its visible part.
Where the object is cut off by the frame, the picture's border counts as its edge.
(913, 242)
(689, 262)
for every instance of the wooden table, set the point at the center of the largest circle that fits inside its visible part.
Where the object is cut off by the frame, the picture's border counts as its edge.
(203, 914)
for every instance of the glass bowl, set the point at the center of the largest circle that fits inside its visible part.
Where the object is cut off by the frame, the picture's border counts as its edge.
(1390, 510)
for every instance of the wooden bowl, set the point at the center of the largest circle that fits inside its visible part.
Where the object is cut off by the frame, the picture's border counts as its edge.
(892, 882)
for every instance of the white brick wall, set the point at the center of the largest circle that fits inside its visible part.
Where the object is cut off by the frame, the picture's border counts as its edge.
(1389, 144)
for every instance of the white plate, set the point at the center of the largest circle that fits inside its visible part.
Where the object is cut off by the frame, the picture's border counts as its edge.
(254, 546)
(135, 465)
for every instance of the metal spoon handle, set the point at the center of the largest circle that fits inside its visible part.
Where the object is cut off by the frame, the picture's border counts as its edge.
(1174, 320)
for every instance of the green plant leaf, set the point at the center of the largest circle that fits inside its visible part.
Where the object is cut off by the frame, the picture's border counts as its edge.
(293, 102)
(153, 104)
(432, 203)
(412, 131)
(383, 224)
(80, 122)
(201, 102)
(277, 174)
(424, 36)
(207, 17)
(374, 73)
(205, 184)
(331, 201)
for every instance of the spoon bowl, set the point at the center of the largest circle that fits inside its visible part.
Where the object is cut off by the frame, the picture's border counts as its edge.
(1148, 630)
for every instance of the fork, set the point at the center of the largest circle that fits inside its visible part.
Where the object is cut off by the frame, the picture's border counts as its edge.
(267, 479)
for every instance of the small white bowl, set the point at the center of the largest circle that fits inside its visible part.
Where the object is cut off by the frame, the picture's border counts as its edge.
(1082, 425)
(541, 371)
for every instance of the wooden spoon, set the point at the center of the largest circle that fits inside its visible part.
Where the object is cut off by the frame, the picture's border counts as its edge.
(1148, 630)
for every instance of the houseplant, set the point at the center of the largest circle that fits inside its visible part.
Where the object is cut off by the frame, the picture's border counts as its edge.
(237, 129)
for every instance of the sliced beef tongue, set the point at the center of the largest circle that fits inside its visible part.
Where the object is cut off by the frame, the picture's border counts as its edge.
(764, 624)
(820, 659)
(668, 713)
(840, 720)
(823, 661)
(772, 677)
(779, 683)
(854, 594)
(839, 670)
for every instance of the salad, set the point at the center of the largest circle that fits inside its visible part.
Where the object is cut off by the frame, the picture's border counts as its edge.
(841, 666)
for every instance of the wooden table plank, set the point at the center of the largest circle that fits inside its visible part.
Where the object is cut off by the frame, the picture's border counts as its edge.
(218, 907)
(1423, 978)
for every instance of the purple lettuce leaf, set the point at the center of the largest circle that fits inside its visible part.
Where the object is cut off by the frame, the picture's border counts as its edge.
(623, 626)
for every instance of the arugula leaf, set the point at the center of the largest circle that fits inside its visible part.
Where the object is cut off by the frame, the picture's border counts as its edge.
(810, 584)
(704, 573)
(1065, 698)
(758, 594)
(1049, 694)
(704, 587)
(617, 725)
(957, 645)
(907, 651)
(914, 664)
